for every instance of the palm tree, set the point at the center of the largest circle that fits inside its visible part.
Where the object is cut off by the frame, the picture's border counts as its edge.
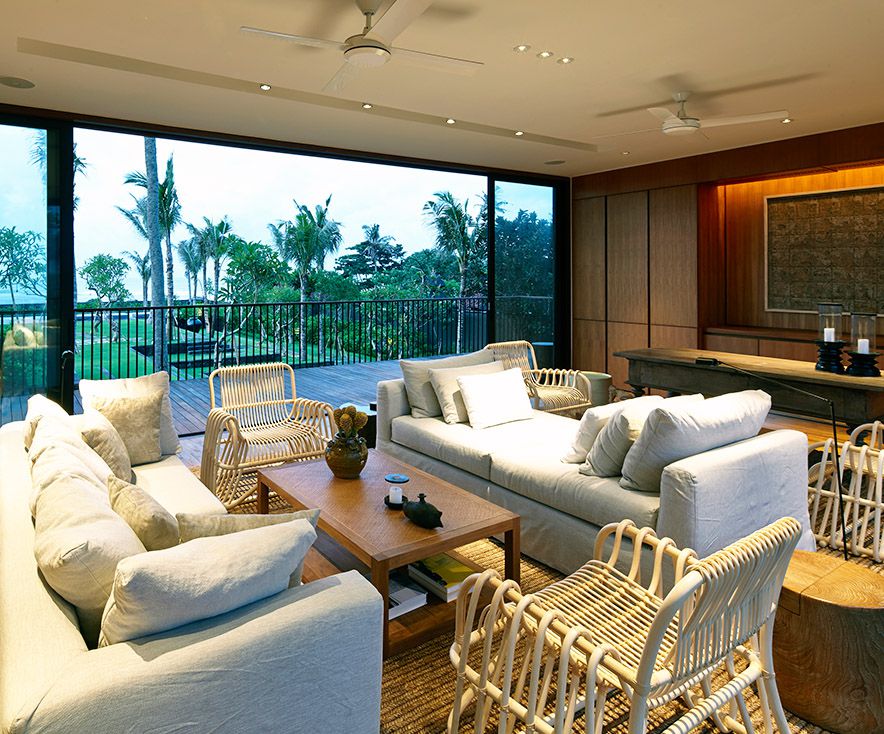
(170, 216)
(212, 244)
(305, 243)
(455, 234)
(142, 267)
(153, 228)
(189, 253)
(376, 248)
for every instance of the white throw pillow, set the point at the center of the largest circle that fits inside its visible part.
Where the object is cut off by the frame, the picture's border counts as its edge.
(418, 387)
(152, 523)
(137, 387)
(137, 420)
(605, 458)
(162, 590)
(592, 423)
(497, 398)
(100, 435)
(39, 406)
(672, 432)
(448, 391)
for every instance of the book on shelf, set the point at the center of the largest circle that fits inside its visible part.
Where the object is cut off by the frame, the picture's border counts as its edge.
(442, 574)
(405, 595)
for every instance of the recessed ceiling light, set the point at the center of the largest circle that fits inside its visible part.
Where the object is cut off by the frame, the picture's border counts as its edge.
(16, 82)
(265, 87)
(367, 105)
(566, 60)
(556, 162)
(519, 133)
(521, 48)
(545, 55)
(786, 120)
(625, 152)
(450, 121)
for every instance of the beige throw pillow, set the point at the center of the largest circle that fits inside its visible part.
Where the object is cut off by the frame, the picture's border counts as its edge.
(152, 523)
(497, 398)
(39, 406)
(137, 420)
(591, 424)
(100, 435)
(133, 387)
(192, 526)
(416, 374)
(163, 590)
(448, 391)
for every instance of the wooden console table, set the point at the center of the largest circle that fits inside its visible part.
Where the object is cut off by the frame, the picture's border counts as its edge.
(828, 643)
(857, 399)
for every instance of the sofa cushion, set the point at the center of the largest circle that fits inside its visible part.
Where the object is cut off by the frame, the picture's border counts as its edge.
(416, 374)
(448, 390)
(154, 592)
(177, 488)
(137, 387)
(591, 424)
(608, 452)
(100, 435)
(38, 406)
(78, 542)
(494, 399)
(155, 527)
(673, 432)
(137, 420)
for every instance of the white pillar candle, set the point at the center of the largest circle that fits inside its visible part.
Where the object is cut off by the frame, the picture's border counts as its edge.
(829, 334)
(862, 346)
(395, 495)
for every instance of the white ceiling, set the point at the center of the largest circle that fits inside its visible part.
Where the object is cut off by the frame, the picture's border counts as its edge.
(186, 64)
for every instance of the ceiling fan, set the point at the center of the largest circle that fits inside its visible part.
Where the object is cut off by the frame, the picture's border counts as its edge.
(681, 123)
(373, 47)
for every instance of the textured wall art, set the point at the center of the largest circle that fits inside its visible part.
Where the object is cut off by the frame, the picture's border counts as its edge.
(826, 246)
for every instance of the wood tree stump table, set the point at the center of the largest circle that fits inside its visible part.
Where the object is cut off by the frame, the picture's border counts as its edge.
(828, 644)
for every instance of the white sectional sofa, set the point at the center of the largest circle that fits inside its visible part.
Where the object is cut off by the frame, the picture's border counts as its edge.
(307, 659)
(705, 501)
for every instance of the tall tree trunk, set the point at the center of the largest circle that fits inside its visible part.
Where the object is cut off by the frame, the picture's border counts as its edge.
(463, 278)
(12, 293)
(205, 280)
(189, 291)
(144, 297)
(170, 284)
(155, 249)
(217, 264)
(302, 322)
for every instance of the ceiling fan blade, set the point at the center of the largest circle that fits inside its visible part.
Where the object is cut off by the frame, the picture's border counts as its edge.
(341, 77)
(661, 113)
(300, 40)
(741, 119)
(631, 132)
(400, 15)
(435, 61)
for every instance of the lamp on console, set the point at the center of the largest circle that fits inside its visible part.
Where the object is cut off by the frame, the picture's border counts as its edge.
(714, 362)
(829, 343)
(863, 358)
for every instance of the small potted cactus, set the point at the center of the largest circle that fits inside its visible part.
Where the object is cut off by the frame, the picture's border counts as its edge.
(347, 452)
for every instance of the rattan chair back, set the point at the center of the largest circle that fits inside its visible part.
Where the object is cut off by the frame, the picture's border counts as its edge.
(258, 395)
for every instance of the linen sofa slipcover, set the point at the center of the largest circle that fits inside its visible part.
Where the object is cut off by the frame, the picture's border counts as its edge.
(305, 660)
(705, 501)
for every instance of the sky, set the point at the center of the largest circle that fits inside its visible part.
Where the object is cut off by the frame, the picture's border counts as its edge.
(253, 188)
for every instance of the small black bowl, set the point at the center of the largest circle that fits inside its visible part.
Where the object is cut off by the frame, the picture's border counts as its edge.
(392, 505)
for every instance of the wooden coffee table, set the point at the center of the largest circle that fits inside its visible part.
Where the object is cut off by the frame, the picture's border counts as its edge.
(352, 512)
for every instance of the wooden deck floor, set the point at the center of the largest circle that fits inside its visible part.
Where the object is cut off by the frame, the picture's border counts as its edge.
(348, 383)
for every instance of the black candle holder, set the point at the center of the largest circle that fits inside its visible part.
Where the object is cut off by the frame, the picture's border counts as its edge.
(863, 364)
(829, 356)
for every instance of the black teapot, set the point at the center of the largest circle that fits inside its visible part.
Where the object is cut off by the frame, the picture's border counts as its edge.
(422, 513)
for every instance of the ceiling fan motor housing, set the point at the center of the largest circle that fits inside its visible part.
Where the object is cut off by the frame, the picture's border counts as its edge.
(681, 125)
(366, 52)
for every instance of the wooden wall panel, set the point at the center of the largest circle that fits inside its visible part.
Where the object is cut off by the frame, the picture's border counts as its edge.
(744, 237)
(589, 346)
(627, 257)
(672, 215)
(623, 336)
(673, 337)
(787, 350)
(588, 259)
(736, 344)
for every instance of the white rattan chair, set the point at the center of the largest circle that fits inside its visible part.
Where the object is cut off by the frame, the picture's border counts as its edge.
(862, 480)
(258, 422)
(540, 659)
(552, 390)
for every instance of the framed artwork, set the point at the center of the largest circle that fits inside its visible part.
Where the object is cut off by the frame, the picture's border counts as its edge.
(825, 246)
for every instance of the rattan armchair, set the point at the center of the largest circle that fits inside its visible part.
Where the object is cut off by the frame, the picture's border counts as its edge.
(540, 659)
(258, 422)
(551, 390)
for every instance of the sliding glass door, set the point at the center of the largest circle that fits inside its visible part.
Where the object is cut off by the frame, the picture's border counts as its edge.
(34, 185)
(525, 267)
